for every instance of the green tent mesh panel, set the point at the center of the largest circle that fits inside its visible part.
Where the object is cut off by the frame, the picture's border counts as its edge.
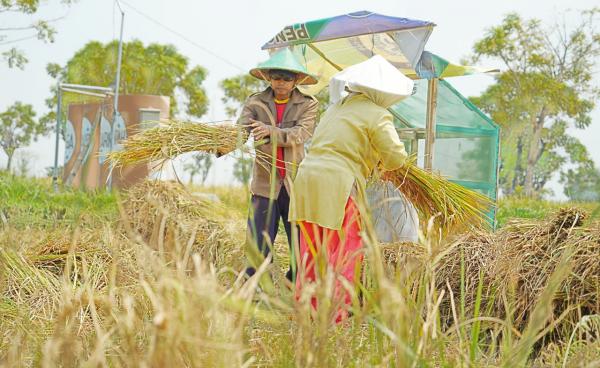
(467, 141)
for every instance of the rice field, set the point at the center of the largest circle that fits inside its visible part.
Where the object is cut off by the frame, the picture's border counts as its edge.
(151, 277)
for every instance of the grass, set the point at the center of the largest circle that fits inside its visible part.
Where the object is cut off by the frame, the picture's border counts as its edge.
(531, 208)
(27, 202)
(236, 198)
(86, 289)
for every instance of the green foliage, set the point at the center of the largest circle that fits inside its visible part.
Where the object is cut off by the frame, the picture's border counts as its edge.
(547, 87)
(18, 127)
(531, 208)
(582, 184)
(190, 85)
(153, 69)
(22, 6)
(237, 90)
(14, 57)
(32, 202)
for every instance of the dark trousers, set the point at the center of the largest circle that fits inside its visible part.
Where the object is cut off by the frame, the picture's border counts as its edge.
(261, 221)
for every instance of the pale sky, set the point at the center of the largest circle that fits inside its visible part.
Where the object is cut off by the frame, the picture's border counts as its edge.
(235, 31)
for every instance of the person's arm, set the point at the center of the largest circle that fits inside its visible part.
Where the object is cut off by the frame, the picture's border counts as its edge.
(387, 143)
(299, 133)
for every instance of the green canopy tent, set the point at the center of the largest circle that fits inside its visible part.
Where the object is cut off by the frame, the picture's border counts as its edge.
(437, 116)
(466, 140)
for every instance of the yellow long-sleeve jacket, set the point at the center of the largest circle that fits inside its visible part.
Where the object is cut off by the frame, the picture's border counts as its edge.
(352, 137)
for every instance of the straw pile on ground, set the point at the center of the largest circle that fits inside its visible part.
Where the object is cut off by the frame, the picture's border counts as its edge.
(114, 302)
(173, 138)
(165, 214)
(529, 253)
(514, 265)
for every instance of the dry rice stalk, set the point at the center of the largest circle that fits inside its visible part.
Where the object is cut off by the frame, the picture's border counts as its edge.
(434, 196)
(25, 284)
(529, 254)
(517, 261)
(173, 138)
(166, 216)
(151, 202)
(515, 264)
(52, 249)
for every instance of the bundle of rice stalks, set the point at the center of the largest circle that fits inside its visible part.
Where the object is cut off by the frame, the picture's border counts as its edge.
(25, 284)
(173, 138)
(468, 262)
(170, 219)
(528, 255)
(50, 250)
(514, 266)
(459, 266)
(452, 205)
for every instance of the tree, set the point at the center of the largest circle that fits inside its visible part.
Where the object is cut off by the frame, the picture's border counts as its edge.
(546, 89)
(23, 166)
(201, 164)
(153, 69)
(582, 184)
(237, 90)
(11, 34)
(18, 127)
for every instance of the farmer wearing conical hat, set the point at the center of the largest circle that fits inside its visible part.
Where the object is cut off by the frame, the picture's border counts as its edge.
(285, 118)
(354, 135)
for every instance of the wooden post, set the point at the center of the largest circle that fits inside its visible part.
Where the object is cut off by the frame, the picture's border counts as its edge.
(430, 122)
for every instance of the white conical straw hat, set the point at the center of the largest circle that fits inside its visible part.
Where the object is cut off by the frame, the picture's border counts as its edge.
(376, 78)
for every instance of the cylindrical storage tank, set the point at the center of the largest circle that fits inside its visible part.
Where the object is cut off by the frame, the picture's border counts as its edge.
(87, 139)
(82, 142)
(133, 109)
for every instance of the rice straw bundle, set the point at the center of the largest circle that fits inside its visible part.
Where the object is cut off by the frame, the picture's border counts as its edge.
(173, 138)
(514, 265)
(452, 205)
(151, 202)
(528, 253)
(168, 217)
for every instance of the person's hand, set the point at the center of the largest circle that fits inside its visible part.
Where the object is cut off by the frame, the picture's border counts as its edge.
(260, 130)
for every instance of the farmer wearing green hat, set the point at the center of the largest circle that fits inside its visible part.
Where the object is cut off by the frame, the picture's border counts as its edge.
(285, 118)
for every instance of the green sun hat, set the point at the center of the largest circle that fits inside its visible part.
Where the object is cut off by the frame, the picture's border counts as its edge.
(283, 60)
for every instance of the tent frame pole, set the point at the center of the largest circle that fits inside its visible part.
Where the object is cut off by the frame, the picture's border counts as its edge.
(432, 86)
(109, 181)
(58, 127)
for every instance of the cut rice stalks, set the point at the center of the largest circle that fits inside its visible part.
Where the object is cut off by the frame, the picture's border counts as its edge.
(172, 138)
(452, 206)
